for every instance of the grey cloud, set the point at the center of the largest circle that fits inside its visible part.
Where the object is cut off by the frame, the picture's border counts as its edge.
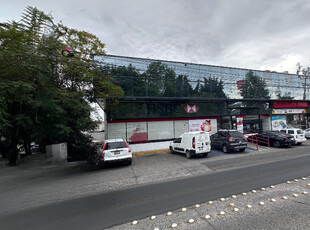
(239, 33)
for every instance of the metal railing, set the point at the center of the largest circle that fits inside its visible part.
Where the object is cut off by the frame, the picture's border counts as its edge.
(257, 139)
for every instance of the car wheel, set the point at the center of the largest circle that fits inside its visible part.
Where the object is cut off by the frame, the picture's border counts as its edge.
(225, 149)
(206, 154)
(241, 150)
(276, 144)
(299, 143)
(188, 154)
(171, 150)
(129, 162)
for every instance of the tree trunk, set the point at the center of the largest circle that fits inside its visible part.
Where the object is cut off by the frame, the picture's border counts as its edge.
(27, 145)
(13, 153)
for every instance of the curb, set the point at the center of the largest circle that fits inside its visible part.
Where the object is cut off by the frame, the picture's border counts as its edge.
(151, 152)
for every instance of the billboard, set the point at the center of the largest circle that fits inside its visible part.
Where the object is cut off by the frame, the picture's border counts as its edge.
(206, 125)
(278, 122)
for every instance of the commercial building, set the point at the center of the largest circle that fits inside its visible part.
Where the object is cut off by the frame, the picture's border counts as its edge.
(149, 118)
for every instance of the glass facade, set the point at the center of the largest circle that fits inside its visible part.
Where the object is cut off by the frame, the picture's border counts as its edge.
(148, 117)
(148, 131)
(288, 84)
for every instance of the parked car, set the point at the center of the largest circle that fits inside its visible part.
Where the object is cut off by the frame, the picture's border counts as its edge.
(276, 139)
(228, 140)
(298, 135)
(307, 133)
(192, 143)
(113, 150)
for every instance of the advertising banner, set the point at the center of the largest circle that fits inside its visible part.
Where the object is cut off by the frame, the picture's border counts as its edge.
(137, 132)
(207, 125)
(240, 124)
(288, 111)
(278, 122)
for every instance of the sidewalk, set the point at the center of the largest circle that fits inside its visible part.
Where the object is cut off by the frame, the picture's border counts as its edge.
(283, 206)
(34, 182)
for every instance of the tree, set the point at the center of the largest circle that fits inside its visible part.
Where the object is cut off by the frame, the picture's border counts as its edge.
(183, 87)
(303, 72)
(160, 80)
(43, 93)
(212, 87)
(285, 96)
(128, 78)
(255, 87)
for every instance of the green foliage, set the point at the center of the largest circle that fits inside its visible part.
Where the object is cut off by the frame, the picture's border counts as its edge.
(285, 96)
(43, 95)
(212, 87)
(160, 80)
(303, 72)
(183, 87)
(255, 87)
(128, 78)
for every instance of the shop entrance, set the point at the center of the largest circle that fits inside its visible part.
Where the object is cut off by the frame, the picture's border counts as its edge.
(251, 123)
(252, 126)
(296, 121)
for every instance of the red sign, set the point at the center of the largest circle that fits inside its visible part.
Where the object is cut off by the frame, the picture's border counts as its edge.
(240, 84)
(191, 108)
(290, 104)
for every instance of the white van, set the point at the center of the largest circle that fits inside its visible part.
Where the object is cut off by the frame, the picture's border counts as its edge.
(192, 143)
(298, 134)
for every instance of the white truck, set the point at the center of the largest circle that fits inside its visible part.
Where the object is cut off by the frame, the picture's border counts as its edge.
(192, 143)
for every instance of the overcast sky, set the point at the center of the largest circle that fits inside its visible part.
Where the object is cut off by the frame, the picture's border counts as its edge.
(255, 34)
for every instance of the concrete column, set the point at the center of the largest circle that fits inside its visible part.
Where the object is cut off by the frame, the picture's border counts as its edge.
(102, 102)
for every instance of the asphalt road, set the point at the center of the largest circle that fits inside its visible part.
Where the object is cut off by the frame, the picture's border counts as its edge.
(115, 207)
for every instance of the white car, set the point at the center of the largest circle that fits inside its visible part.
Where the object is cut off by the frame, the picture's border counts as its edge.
(307, 133)
(298, 135)
(192, 143)
(115, 150)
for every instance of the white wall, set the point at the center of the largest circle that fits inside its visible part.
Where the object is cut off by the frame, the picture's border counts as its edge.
(57, 152)
(149, 146)
(97, 136)
(266, 122)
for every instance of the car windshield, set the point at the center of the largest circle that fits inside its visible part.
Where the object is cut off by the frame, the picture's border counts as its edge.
(299, 131)
(116, 145)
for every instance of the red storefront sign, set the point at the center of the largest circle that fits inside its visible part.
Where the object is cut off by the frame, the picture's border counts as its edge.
(290, 104)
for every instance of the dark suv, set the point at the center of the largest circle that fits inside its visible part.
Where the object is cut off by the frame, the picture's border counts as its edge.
(228, 140)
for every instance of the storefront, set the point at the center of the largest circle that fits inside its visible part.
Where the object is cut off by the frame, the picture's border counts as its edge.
(290, 114)
(149, 130)
(251, 123)
(156, 119)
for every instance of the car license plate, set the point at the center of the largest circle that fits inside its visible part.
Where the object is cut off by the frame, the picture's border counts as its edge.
(116, 152)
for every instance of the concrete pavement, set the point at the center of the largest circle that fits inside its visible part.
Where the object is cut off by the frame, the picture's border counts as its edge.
(34, 183)
(116, 207)
(282, 206)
